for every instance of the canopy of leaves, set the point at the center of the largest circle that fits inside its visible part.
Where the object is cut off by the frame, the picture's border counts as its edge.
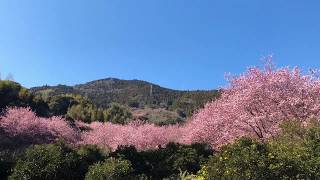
(52, 162)
(166, 161)
(117, 114)
(295, 154)
(112, 168)
(13, 94)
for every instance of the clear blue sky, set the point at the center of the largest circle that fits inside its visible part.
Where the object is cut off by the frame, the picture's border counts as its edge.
(180, 44)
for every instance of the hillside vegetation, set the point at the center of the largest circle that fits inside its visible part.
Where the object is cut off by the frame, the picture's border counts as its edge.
(145, 100)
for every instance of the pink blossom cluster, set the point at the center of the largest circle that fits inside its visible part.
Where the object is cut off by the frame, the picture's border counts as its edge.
(142, 136)
(23, 124)
(255, 104)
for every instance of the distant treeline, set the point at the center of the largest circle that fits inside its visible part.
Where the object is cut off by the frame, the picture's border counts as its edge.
(133, 93)
(70, 106)
(62, 101)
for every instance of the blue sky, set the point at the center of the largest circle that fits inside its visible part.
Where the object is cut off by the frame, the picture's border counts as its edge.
(180, 44)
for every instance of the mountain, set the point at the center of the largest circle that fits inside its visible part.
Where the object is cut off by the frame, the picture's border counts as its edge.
(133, 93)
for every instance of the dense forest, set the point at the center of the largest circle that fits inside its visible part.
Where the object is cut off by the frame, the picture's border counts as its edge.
(264, 125)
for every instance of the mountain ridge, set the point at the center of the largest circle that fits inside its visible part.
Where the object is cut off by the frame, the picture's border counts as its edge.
(137, 93)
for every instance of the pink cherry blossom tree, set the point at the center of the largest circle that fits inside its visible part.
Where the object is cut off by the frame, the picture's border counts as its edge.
(254, 104)
(142, 136)
(22, 124)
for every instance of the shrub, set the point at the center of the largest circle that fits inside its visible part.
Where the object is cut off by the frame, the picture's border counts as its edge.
(245, 159)
(112, 169)
(117, 114)
(13, 94)
(52, 162)
(296, 153)
(165, 162)
(89, 155)
(136, 158)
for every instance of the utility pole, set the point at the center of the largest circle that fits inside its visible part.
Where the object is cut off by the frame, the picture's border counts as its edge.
(150, 95)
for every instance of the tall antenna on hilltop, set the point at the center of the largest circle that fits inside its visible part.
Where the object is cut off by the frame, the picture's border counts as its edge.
(151, 90)
(150, 95)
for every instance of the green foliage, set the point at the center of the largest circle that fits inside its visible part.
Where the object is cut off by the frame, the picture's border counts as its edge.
(158, 116)
(133, 93)
(165, 162)
(81, 112)
(59, 105)
(77, 107)
(187, 103)
(185, 175)
(295, 154)
(245, 159)
(40, 107)
(133, 103)
(53, 161)
(13, 94)
(117, 114)
(89, 155)
(113, 169)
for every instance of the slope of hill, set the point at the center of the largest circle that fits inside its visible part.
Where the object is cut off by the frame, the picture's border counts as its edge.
(133, 93)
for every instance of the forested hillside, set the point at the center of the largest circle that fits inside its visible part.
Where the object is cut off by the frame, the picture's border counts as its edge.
(133, 93)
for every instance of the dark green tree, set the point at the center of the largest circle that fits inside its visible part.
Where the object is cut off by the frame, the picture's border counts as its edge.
(117, 114)
(13, 94)
(111, 169)
(50, 162)
(60, 104)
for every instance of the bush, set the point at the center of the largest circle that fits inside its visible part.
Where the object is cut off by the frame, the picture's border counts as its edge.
(51, 162)
(89, 155)
(245, 159)
(117, 114)
(112, 169)
(165, 162)
(296, 153)
(13, 94)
